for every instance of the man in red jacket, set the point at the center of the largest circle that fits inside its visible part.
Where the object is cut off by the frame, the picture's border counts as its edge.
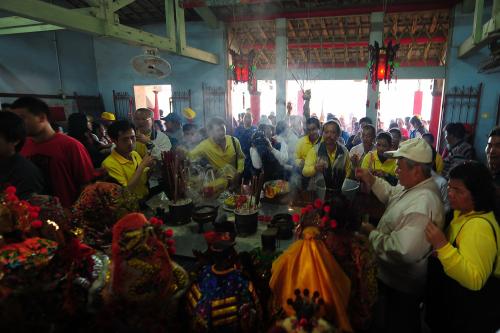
(64, 161)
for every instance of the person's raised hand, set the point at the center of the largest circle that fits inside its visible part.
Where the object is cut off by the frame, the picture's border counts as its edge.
(142, 138)
(379, 173)
(435, 236)
(320, 166)
(365, 176)
(366, 228)
(355, 160)
(269, 144)
(147, 161)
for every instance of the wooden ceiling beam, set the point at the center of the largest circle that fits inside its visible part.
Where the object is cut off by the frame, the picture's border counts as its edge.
(408, 55)
(249, 37)
(434, 23)
(426, 50)
(291, 29)
(360, 29)
(262, 32)
(342, 30)
(395, 30)
(303, 55)
(318, 57)
(306, 26)
(414, 25)
(323, 28)
(444, 50)
(263, 55)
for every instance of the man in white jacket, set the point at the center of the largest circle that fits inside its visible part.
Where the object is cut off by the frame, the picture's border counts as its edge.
(150, 141)
(399, 241)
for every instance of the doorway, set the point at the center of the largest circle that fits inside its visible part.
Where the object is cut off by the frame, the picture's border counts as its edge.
(147, 96)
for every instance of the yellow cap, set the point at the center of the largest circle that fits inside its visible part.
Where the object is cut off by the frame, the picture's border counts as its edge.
(108, 116)
(189, 113)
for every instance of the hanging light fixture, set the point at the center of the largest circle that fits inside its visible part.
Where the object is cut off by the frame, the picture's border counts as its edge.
(243, 68)
(381, 64)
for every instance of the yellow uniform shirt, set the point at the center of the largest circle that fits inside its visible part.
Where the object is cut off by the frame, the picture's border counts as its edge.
(218, 157)
(123, 169)
(372, 162)
(439, 163)
(141, 149)
(471, 262)
(312, 157)
(303, 147)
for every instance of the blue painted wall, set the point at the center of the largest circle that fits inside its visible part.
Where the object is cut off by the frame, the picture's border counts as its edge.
(28, 63)
(463, 72)
(114, 71)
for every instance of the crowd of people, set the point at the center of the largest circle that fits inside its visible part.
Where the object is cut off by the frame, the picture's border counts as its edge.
(71, 198)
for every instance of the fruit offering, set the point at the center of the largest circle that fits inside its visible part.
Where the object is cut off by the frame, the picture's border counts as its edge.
(275, 187)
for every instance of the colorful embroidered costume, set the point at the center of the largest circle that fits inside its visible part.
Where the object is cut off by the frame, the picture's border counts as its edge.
(97, 209)
(222, 299)
(145, 284)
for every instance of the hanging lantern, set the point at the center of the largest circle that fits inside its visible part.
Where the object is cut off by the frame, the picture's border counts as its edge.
(242, 68)
(381, 64)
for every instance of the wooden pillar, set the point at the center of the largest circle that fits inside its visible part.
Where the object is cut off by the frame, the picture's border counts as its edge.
(417, 102)
(437, 97)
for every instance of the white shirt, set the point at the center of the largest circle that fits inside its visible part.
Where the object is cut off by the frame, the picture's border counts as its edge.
(399, 241)
(358, 150)
(442, 185)
(281, 155)
(161, 143)
(291, 139)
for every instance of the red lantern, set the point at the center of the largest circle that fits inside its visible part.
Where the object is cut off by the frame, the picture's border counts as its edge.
(244, 73)
(381, 69)
(242, 65)
(381, 59)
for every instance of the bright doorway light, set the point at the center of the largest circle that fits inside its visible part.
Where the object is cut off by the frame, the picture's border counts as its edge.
(396, 100)
(145, 97)
(345, 99)
(240, 97)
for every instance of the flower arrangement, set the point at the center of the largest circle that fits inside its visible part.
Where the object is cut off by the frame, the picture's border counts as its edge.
(314, 215)
(18, 214)
(167, 234)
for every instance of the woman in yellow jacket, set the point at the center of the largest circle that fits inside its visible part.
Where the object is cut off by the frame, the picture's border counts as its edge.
(377, 163)
(464, 284)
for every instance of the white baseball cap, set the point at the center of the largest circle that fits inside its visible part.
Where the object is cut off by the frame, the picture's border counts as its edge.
(417, 150)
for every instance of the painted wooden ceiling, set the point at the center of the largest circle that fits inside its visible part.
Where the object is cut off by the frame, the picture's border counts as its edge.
(320, 33)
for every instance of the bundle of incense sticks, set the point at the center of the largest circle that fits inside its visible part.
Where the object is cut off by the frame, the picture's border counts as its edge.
(255, 185)
(174, 172)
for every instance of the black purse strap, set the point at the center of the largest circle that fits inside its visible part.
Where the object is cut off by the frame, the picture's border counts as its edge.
(235, 153)
(494, 235)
